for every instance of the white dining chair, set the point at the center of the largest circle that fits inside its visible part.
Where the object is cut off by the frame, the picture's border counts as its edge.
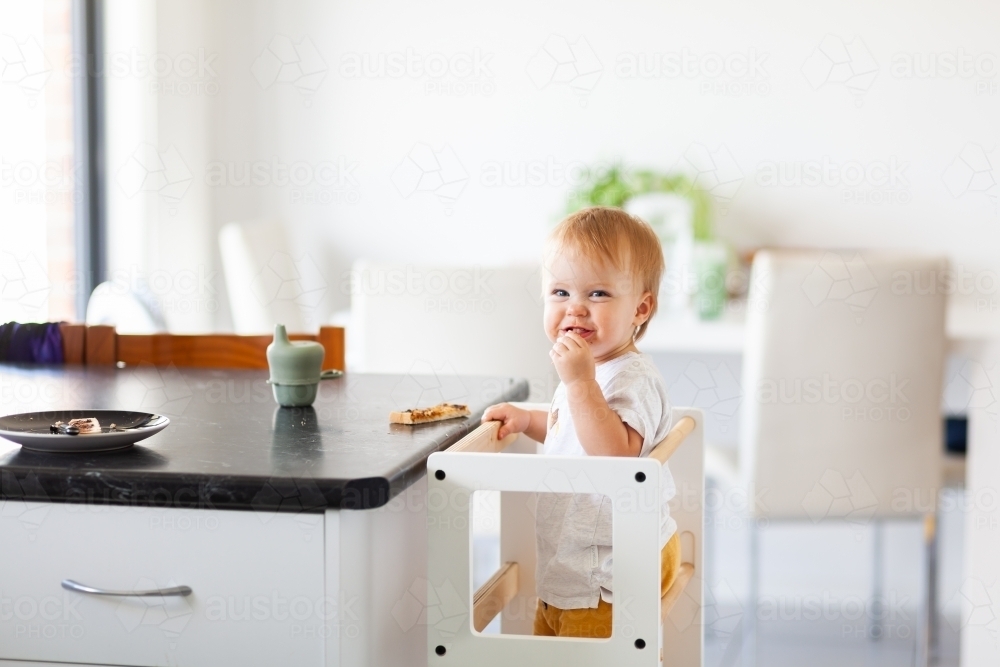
(435, 324)
(449, 321)
(266, 282)
(131, 309)
(843, 373)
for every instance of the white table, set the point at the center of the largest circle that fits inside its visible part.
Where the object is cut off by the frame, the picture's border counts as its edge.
(969, 322)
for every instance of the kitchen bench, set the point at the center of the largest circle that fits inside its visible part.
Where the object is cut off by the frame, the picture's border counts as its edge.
(300, 532)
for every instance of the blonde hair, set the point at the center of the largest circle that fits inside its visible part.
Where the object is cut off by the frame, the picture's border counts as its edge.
(606, 234)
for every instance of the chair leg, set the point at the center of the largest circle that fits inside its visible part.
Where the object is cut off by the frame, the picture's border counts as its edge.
(750, 615)
(877, 605)
(931, 538)
(927, 631)
(711, 532)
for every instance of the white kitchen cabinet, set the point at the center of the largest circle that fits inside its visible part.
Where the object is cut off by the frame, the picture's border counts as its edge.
(257, 579)
(343, 588)
(377, 567)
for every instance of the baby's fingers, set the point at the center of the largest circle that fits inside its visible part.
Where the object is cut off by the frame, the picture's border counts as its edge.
(499, 413)
(503, 430)
(494, 413)
(571, 338)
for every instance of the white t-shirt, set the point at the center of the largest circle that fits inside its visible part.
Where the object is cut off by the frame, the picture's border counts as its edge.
(573, 531)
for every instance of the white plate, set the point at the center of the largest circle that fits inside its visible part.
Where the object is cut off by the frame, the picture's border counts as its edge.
(31, 430)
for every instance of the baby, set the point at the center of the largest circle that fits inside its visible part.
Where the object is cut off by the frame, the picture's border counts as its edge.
(601, 278)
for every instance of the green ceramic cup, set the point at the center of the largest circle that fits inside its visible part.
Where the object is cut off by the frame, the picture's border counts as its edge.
(296, 369)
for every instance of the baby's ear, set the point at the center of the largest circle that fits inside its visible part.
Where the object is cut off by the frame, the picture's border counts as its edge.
(645, 307)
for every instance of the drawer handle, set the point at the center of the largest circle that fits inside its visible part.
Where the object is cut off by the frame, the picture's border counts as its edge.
(71, 585)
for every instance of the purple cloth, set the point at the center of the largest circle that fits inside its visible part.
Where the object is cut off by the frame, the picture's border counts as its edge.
(31, 343)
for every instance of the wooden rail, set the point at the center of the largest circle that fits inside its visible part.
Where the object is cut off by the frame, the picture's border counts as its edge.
(673, 593)
(494, 595)
(502, 587)
(483, 439)
(669, 444)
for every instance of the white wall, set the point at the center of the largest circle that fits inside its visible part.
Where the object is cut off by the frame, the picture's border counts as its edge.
(515, 113)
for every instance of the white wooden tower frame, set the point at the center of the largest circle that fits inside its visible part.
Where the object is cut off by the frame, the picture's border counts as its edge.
(647, 631)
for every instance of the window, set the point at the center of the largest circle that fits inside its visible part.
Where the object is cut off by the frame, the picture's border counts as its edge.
(39, 273)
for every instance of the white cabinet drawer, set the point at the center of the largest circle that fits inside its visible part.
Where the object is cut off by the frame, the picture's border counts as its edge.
(257, 583)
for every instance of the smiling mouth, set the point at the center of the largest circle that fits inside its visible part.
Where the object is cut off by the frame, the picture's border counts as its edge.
(580, 331)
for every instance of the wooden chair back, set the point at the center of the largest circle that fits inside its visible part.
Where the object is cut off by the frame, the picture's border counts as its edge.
(101, 345)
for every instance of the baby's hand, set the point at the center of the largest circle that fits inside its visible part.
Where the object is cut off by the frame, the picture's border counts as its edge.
(515, 420)
(572, 358)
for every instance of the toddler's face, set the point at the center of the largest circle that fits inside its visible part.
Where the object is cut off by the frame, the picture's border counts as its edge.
(599, 302)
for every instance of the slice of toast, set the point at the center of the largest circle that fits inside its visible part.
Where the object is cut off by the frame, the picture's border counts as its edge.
(424, 415)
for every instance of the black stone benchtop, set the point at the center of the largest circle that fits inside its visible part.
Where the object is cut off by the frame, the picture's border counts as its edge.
(229, 445)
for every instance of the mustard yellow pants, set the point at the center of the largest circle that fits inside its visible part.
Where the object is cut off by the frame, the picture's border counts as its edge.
(596, 623)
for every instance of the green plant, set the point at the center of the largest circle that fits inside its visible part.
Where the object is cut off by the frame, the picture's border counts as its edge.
(615, 186)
